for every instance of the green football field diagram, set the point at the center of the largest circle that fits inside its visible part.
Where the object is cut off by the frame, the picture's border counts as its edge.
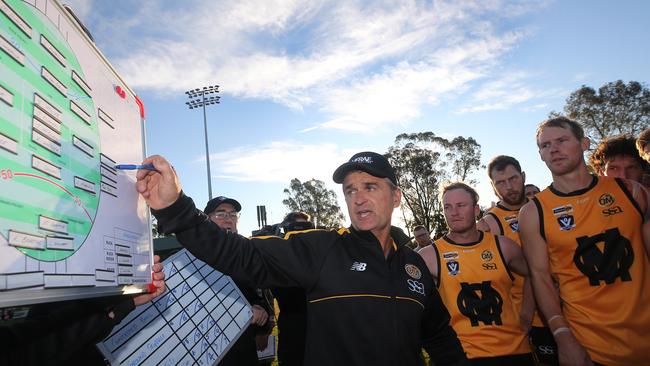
(49, 138)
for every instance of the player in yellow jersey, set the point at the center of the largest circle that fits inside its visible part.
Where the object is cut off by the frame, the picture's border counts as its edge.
(472, 270)
(590, 236)
(508, 182)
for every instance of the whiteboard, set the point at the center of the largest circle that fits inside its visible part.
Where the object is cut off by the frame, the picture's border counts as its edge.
(195, 322)
(71, 225)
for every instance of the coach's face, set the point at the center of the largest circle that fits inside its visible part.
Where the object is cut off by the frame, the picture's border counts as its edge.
(370, 201)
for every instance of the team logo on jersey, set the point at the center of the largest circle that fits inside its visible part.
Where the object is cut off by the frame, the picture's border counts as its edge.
(358, 266)
(449, 255)
(413, 271)
(606, 200)
(453, 267)
(513, 222)
(567, 222)
(415, 286)
(514, 226)
(480, 302)
(486, 255)
(613, 261)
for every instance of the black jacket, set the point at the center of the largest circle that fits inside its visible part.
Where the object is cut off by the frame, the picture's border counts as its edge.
(363, 308)
(244, 351)
(62, 333)
(292, 325)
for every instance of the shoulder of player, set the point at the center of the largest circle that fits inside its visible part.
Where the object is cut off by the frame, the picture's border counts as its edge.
(427, 252)
(491, 221)
(529, 214)
(636, 193)
(429, 256)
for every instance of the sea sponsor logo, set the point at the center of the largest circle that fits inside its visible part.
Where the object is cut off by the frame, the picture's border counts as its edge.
(415, 286)
(489, 266)
(612, 211)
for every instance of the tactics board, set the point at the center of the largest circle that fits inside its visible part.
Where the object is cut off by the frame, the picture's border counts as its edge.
(71, 225)
(195, 322)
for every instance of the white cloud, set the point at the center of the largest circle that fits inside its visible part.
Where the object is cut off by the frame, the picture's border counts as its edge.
(365, 64)
(279, 161)
(508, 91)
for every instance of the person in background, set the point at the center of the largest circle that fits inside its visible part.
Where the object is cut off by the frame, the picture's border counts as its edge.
(508, 183)
(292, 303)
(422, 237)
(618, 157)
(531, 190)
(224, 212)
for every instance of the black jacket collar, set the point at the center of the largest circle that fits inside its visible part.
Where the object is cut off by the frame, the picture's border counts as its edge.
(396, 233)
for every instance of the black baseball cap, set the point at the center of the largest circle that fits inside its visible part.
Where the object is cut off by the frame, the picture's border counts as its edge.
(370, 162)
(215, 202)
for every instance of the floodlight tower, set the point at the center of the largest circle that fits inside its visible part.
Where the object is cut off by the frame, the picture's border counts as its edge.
(197, 98)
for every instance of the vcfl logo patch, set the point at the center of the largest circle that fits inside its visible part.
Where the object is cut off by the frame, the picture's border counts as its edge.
(358, 266)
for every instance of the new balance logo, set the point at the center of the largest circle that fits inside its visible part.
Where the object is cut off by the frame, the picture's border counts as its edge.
(358, 266)
(362, 159)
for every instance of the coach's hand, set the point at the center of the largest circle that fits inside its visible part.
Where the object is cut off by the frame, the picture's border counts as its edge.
(160, 188)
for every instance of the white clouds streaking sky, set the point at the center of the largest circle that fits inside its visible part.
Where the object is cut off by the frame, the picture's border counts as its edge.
(307, 83)
(361, 63)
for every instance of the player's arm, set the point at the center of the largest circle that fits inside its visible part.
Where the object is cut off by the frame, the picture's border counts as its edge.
(642, 198)
(430, 257)
(514, 257)
(548, 301)
(488, 223)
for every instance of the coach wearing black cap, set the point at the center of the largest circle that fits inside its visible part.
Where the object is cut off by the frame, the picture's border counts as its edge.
(371, 300)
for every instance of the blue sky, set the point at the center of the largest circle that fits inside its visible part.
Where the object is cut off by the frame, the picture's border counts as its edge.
(305, 84)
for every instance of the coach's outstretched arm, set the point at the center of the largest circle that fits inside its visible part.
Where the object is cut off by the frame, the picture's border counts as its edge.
(260, 262)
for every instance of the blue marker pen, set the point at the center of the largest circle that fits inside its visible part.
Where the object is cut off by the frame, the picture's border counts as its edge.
(134, 167)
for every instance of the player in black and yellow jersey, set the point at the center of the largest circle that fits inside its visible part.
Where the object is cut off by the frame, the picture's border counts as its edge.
(591, 236)
(472, 270)
(508, 182)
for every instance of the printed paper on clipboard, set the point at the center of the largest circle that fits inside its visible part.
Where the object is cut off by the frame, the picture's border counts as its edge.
(194, 323)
